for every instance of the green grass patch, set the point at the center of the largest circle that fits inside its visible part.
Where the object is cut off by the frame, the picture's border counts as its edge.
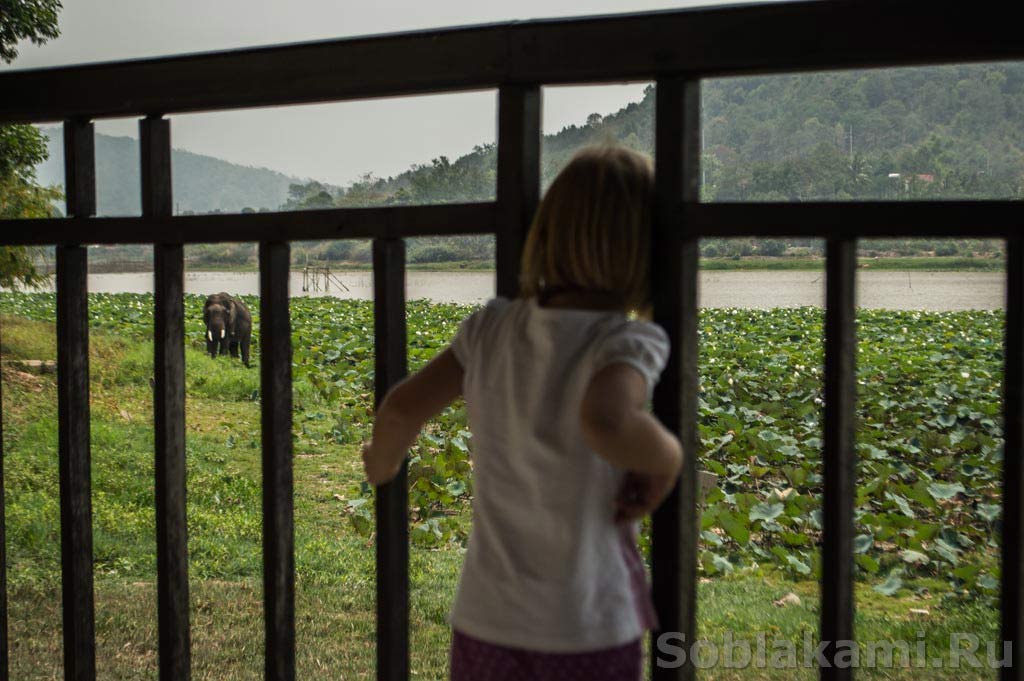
(927, 506)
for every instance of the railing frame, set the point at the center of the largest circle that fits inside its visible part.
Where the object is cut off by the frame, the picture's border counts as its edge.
(676, 49)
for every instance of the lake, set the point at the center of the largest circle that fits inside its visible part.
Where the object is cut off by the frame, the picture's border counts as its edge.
(761, 289)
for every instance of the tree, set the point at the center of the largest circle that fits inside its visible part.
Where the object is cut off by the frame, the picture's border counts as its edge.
(308, 196)
(23, 146)
(34, 20)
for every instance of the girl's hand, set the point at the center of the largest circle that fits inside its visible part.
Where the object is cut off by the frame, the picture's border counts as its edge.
(378, 470)
(641, 493)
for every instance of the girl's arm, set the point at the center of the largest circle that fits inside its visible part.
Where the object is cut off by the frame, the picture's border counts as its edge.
(404, 410)
(617, 426)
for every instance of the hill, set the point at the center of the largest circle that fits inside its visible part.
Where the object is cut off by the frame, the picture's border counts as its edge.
(203, 184)
(913, 133)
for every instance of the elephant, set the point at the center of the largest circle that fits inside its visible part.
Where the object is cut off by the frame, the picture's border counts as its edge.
(228, 326)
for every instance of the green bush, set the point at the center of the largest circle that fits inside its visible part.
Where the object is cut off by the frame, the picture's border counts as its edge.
(771, 247)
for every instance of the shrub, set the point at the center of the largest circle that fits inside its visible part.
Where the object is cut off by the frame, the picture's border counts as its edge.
(771, 248)
(338, 250)
(711, 250)
(433, 254)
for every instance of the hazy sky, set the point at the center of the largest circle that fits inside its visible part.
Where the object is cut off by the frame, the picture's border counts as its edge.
(335, 142)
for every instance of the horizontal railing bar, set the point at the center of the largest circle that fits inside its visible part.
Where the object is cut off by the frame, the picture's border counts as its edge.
(335, 223)
(715, 41)
(961, 219)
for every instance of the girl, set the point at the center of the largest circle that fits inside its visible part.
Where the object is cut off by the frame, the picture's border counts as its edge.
(565, 456)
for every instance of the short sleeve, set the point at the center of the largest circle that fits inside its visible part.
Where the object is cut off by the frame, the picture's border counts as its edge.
(466, 338)
(642, 345)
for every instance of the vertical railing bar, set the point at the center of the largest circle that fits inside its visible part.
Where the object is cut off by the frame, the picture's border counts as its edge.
(1012, 543)
(4, 667)
(73, 412)
(278, 517)
(518, 182)
(674, 263)
(839, 462)
(392, 503)
(168, 409)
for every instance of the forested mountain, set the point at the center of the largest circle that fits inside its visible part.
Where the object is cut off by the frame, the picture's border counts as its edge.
(930, 132)
(916, 133)
(202, 184)
(948, 131)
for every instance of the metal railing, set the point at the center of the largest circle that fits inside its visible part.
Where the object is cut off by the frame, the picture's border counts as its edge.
(676, 49)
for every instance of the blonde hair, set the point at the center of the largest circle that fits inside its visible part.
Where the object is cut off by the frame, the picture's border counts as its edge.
(592, 229)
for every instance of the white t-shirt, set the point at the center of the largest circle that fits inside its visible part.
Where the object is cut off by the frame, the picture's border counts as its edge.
(544, 566)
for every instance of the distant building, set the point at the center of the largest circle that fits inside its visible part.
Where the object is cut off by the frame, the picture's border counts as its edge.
(927, 178)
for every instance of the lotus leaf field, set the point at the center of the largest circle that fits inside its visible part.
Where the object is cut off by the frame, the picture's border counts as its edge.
(929, 438)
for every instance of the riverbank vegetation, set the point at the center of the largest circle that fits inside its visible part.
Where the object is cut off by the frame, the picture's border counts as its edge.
(928, 501)
(242, 258)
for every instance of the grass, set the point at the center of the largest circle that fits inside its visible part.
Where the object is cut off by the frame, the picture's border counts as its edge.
(334, 564)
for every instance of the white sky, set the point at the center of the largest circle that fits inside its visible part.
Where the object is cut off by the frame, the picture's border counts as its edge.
(335, 142)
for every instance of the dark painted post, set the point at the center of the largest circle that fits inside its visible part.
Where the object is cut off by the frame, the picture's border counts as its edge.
(3, 553)
(518, 189)
(392, 504)
(1012, 568)
(73, 413)
(674, 263)
(839, 455)
(278, 518)
(169, 409)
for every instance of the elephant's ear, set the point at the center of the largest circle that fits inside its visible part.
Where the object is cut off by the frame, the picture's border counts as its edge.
(232, 312)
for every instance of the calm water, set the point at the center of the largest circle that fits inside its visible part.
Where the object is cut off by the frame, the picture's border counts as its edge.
(893, 290)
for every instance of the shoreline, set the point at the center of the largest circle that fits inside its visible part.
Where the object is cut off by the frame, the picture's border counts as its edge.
(761, 289)
(746, 264)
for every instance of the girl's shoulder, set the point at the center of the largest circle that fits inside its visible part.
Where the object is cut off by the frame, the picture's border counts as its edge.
(490, 311)
(471, 327)
(625, 330)
(642, 344)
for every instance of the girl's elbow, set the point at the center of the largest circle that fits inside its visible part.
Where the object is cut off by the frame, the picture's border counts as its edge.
(600, 426)
(676, 455)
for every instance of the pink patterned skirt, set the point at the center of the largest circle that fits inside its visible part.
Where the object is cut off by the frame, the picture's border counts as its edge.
(476, 660)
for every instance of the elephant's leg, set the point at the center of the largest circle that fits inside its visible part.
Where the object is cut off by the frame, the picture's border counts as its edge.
(245, 352)
(233, 348)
